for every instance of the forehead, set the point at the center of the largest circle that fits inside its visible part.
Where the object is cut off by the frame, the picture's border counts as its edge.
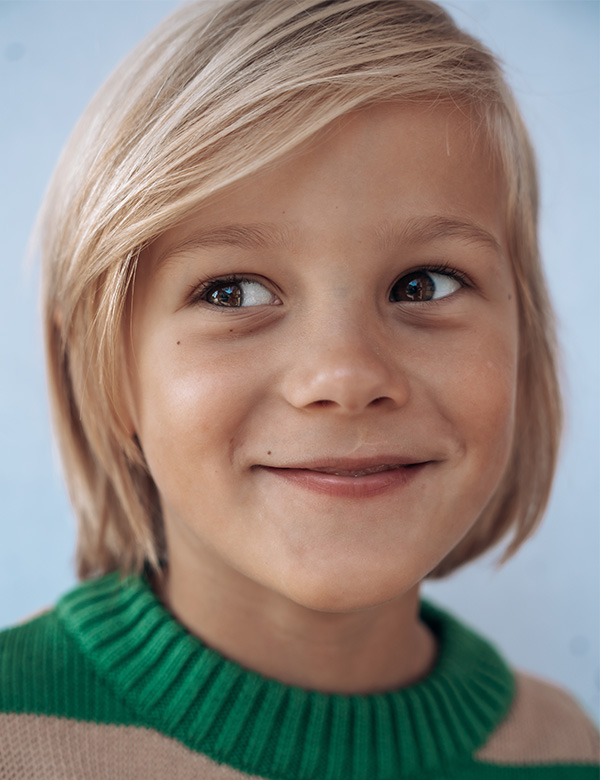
(419, 171)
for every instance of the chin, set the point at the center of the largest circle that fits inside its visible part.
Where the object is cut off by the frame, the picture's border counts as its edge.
(344, 592)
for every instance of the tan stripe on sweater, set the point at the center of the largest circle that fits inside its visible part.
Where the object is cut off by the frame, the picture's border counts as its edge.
(48, 748)
(544, 725)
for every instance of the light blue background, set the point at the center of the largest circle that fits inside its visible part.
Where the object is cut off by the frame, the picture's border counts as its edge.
(542, 608)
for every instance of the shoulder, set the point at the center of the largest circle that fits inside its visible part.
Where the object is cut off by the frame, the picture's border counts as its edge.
(544, 725)
(25, 638)
(25, 651)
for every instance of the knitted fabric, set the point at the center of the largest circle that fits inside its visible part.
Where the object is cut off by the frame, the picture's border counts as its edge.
(110, 685)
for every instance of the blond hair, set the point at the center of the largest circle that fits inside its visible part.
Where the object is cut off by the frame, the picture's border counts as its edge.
(212, 95)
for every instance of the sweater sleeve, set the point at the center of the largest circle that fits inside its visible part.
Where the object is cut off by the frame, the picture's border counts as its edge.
(544, 725)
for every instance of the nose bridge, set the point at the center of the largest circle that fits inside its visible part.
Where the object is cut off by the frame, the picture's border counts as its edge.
(344, 359)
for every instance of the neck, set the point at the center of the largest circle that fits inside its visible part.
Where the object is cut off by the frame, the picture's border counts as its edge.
(371, 650)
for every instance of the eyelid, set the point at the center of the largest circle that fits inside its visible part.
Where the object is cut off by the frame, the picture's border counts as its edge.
(441, 268)
(444, 269)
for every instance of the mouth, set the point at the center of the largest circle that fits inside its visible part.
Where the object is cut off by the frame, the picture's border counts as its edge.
(350, 478)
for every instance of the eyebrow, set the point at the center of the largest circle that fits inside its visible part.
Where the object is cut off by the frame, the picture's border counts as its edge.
(424, 230)
(259, 235)
(263, 235)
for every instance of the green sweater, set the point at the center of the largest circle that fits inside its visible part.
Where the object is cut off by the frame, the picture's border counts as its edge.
(109, 685)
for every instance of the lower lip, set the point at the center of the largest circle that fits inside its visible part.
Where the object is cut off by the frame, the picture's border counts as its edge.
(365, 486)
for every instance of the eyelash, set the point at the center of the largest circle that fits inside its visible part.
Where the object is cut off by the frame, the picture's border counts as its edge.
(201, 288)
(441, 268)
(198, 290)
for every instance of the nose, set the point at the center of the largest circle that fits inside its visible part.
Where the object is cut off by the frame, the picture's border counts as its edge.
(347, 369)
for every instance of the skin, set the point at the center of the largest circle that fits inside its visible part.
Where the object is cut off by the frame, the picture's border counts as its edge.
(332, 366)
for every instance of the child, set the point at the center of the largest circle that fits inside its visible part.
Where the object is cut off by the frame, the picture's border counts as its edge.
(301, 357)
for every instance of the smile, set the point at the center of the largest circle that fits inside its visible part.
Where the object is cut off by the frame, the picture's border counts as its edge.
(358, 481)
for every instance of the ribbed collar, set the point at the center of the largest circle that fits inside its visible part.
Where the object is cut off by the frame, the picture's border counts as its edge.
(176, 685)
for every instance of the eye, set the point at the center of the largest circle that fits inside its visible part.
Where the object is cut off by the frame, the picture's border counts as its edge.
(423, 285)
(235, 293)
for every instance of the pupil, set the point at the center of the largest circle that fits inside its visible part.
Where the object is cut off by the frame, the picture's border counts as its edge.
(417, 286)
(227, 295)
(414, 288)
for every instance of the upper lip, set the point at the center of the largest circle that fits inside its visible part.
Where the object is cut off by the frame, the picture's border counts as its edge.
(332, 464)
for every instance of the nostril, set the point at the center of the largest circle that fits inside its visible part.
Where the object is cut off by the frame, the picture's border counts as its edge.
(325, 403)
(379, 401)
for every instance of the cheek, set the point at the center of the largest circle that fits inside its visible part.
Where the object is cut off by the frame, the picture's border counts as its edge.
(487, 398)
(192, 405)
(483, 402)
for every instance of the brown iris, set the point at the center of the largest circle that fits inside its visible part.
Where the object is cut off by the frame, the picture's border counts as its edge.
(225, 295)
(416, 286)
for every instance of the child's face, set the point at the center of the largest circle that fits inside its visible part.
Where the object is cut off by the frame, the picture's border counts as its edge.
(264, 402)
